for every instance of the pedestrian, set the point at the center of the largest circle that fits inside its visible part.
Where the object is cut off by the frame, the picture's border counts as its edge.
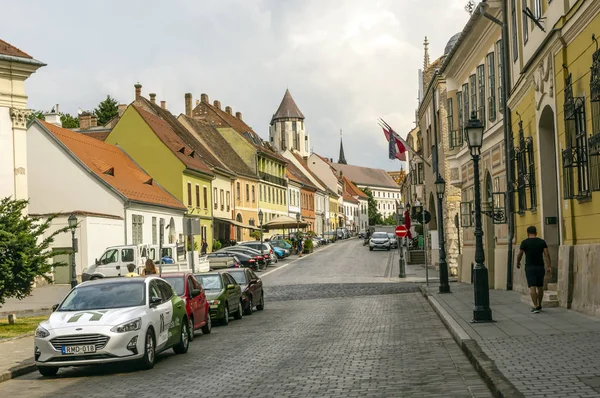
(535, 250)
(204, 247)
(150, 268)
(131, 269)
(300, 246)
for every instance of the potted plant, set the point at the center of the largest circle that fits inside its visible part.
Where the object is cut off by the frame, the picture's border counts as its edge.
(308, 246)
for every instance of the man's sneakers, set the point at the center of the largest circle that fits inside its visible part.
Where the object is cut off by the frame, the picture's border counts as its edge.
(536, 310)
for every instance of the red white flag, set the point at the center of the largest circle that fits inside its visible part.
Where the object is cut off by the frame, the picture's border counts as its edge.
(397, 147)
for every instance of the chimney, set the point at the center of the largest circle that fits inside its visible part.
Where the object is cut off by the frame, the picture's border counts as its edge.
(163, 104)
(85, 121)
(153, 98)
(228, 110)
(217, 104)
(197, 102)
(53, 117)
(122, 109)
(188, 104)
(138, 91)
(204, 98)
(238, 115)
(94, 121)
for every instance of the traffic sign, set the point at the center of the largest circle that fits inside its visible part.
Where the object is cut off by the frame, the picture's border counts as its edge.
(401, 231)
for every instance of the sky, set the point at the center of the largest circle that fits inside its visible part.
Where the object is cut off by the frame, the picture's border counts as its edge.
(346, 62)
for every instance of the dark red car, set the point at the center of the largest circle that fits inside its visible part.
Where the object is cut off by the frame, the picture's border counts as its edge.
(252, 289)
(196, 306)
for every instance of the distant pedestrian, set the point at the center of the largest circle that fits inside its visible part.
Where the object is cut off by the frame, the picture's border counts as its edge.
(300, 246)
(150, 268)
(204, 247)
(131, 269)
(535, 250)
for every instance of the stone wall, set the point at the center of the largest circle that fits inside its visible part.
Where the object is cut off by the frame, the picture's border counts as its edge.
(578, 278)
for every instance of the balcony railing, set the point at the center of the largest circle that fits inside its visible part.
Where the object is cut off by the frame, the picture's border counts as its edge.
(273, 179)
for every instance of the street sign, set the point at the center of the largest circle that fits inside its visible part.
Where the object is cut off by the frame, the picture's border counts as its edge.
(401, 231)
(426, 217)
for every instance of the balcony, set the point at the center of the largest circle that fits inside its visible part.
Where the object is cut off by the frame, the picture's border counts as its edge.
(273, 179)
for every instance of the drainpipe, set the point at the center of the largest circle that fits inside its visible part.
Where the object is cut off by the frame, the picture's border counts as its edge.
(507, 136)
(125, 208)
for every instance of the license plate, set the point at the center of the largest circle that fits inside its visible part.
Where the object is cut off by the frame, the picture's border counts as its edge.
(78, 349)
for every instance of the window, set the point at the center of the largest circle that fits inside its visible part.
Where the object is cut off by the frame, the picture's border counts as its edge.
(247, 193)
(466, 113)
(238, 191)
(189, 194)
(154, 234)
(500, 76)
(525, 24)
(459, 110)
(515, 42)
(260, 188)
(481, 86)
(205, 193)
(491, 63)
(473, 88)
(575, 155)
(228, 201)
(253, 195)
(451, 131)
(222, 199)
(594, 139)
(525, 167)
(215, 198)
(269, 189)
(537, 8)
(198, 196)
(137, 222)
(420, 173)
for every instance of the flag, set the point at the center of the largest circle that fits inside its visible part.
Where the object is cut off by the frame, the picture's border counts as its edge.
(397, 149)
(392, 148)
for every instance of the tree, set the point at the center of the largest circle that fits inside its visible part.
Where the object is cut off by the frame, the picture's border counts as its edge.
(35, 115)
(68, 121)
(107, 109)
(374, 215)
(392, 219)
(24, 249)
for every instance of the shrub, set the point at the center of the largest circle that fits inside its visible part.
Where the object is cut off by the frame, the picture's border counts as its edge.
(255, 235)
(217, 245)
(308, 246)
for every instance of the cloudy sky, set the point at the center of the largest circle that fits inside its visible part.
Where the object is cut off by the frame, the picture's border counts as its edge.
(346, 62)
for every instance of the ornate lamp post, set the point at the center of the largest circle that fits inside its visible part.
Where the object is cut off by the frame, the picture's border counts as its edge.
(440, 188)
(73, 226)
(482, 311)
(260, 220)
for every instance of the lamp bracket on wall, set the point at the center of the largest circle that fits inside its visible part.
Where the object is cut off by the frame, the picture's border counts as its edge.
(535, 20)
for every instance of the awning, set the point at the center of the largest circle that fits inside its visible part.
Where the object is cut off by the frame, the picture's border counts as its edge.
(236, 223)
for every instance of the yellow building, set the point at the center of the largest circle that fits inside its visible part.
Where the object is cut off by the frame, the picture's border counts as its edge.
(147, 133)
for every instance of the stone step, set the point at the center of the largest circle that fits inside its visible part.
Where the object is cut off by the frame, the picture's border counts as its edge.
(550, 298)
(552, 287)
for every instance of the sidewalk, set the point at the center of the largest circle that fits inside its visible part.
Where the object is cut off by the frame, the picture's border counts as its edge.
(552, 354)
(16, 358)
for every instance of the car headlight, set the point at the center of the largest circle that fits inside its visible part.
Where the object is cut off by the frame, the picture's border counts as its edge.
(214, 302)
(129, 326)
(41, 332)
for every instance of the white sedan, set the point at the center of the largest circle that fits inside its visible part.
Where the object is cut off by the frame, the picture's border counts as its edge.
(111, 320)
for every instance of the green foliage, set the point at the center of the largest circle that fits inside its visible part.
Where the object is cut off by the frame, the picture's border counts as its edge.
(106, 110)
(35, 115)
(68, 121)
(374, 215)
(289, 242)
(307, 246)
(217, 245)
(392, 219)
(255, 235)
(24, 249)
(419, 229)
(312, 234)
(189, 245)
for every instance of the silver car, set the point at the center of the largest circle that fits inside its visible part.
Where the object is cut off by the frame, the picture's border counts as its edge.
(379, 240)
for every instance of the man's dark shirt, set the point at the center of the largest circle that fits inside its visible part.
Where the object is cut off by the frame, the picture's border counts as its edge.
(534, 251)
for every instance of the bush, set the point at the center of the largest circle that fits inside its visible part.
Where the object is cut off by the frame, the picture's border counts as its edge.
(419, 229)
(217, 245)
(308, 246)
(255, 235)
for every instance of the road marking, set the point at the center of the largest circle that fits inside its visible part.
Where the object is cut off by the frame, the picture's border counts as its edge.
(292, 262)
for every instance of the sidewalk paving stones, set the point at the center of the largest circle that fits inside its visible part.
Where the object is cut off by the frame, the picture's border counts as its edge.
(554, 353)
(16, 357)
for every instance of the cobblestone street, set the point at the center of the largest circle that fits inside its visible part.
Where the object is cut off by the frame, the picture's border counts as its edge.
(319, 337)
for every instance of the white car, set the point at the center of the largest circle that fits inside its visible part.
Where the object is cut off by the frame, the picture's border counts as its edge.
(379, 240)
(112, 320)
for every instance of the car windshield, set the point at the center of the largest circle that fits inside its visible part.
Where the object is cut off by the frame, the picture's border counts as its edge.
(210, 282)
(178, 283)
(240, 277)
(380, 235)
(105, 296)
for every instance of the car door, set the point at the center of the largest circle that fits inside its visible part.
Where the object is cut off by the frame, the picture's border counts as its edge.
(193, 301)
(235, 294)
(159, 313)
(108, 263)
(201, 305)
(256, 286)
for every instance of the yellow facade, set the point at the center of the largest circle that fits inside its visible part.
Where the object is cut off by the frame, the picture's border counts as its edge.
(272, 188)
(333, 213)
(245, 196)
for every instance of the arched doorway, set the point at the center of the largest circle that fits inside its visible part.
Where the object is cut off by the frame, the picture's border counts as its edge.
(549, 186)
(489, 232)
(238, 230)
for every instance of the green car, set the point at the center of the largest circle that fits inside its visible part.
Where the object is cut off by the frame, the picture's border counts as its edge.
(281, 243)
(224, 295)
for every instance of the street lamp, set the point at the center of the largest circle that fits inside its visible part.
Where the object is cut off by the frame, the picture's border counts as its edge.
(260, 220)
(73, 226)
(440, 188)
(482, 311)
(298, 233)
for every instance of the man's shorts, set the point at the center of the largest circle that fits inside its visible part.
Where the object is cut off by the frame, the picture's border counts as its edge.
(535, 276)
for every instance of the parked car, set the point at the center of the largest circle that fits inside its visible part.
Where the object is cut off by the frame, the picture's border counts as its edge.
(279, 252)
(393, 240)
(260, 258)
(331, 236)
(282, 244)
(267, 249)
(246, 260)
(223, 260)
(252, 289)
(362, 233)
(379, 240)
(224, 295)
(112, 320)
(191, 292)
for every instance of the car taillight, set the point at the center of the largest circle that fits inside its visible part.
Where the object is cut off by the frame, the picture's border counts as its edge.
(252, 260)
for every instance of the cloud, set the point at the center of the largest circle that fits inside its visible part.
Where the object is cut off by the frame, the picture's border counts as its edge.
(346, 62)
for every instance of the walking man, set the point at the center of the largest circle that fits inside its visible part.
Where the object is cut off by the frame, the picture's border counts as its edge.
(535, 250)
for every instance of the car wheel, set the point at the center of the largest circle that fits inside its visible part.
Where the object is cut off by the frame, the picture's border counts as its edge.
(240, 311)
(249, 309)
(225, 320)
(149, 357)
(206, 329)
(370, 248)
(47, 371)
(191, 329)
(261, 305)
(184, 341)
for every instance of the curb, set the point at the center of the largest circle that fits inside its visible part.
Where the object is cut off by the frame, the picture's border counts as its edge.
(498, 384)
(17, 371)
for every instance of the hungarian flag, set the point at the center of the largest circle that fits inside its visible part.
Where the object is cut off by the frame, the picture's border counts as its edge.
(397, 149)
(407, 223)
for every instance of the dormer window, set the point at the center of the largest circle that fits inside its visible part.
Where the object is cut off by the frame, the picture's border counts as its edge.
(110, 172)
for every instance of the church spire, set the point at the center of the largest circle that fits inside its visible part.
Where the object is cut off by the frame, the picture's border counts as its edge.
(426, 57)
(342, 159)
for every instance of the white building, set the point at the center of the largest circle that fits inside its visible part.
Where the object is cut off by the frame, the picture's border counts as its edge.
(287, 130)
(15, 67)
(114, 200)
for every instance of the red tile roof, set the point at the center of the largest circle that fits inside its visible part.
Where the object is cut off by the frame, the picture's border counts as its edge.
(353, 189)
(113, 166)
(9, 49)
(348, 198)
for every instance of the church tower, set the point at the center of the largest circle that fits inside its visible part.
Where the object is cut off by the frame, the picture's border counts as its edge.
(342, 158)
(287, 130)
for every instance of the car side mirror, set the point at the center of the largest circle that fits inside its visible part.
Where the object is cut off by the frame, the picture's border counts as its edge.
(195, 293)
(54, 307)
(230, 287)
(155, 300)
(97, 262)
